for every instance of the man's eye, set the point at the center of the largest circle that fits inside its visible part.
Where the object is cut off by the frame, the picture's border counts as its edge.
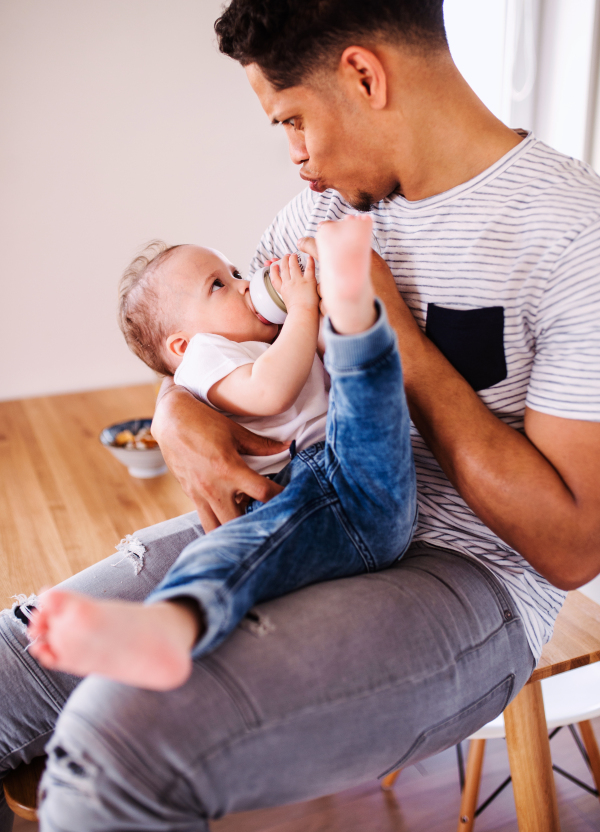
(217, 284)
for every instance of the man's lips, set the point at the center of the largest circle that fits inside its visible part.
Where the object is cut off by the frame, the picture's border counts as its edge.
(313, 184)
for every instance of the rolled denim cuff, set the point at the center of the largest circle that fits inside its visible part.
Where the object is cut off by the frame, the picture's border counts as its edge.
(212, 613)
(345, 353)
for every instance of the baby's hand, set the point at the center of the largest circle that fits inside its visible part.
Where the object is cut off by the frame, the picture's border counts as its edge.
(297, 288)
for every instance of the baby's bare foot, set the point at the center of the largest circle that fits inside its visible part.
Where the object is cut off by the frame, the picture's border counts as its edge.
(144, 646)
(345, 262)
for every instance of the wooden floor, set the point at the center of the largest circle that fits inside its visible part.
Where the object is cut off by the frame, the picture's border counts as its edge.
(64, 504)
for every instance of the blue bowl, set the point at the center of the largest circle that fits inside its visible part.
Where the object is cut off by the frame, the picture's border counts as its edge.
(143, 463)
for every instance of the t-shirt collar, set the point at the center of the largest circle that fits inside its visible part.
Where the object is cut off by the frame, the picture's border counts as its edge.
(472, 184)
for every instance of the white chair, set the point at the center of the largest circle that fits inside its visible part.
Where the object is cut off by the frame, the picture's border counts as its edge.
(571, 698)
(567, 682)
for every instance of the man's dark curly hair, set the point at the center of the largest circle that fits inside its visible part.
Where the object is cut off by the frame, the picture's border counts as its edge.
(290, 39)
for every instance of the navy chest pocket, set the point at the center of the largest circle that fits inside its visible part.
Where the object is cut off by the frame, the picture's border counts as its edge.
(472, 340)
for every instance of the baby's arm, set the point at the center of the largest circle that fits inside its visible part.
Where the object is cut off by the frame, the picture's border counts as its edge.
(273, 383)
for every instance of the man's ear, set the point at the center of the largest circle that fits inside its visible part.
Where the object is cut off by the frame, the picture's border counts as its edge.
(363, 70)
(177, 343)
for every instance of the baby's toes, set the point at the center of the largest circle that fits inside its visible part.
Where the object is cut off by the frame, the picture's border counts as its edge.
(38, 624)
(42, 651)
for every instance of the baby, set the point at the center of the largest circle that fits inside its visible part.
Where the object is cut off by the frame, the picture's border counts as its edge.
(349, 501)
(187, 312)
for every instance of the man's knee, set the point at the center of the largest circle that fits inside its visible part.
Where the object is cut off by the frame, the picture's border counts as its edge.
(31, 696)
(123, 754)
(95, 776)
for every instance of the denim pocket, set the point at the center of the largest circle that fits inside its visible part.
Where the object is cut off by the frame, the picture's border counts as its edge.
(472, 340)
(462, 724)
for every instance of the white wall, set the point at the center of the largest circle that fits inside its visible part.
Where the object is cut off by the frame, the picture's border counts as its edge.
(565, 73)
(119, 122)
(475, 31)
(534, 63)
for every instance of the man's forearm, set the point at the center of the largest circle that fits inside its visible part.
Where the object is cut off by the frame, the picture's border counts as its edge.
(202, 448)
(177, 428)
(510, 485)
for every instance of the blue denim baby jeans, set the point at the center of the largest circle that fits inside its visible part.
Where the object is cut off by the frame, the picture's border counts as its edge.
(348, 507)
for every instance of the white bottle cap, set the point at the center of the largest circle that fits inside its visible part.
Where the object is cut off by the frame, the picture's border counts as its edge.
(266, 300)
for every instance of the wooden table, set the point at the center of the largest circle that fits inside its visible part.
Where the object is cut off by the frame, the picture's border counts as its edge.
(65, 502)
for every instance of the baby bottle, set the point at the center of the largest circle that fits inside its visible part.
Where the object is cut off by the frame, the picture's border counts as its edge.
(266, 299)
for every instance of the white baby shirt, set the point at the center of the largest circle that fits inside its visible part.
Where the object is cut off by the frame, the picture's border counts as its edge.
(209, 358)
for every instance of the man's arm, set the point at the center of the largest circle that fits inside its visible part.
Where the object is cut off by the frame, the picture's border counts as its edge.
(539, 492)
(202, 448)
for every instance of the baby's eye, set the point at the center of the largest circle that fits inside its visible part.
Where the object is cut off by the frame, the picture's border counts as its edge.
(237, 275)
(217, 284)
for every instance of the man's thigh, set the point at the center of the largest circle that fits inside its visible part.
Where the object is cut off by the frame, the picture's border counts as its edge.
(133, 572)
(335, 684)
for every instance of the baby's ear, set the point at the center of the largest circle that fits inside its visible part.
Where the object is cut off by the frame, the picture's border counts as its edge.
(177, 343)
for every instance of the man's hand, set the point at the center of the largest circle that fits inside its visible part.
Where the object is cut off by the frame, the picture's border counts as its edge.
(202, 448)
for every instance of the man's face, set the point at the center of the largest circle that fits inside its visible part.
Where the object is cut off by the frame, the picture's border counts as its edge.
(331, 137)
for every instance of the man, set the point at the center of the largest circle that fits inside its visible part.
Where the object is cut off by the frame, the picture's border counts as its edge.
(493, 241)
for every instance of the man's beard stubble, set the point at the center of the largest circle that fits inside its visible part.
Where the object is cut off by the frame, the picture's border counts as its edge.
(364, 201)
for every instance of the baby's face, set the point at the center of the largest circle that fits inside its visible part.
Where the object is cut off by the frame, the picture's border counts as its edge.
(204, 292)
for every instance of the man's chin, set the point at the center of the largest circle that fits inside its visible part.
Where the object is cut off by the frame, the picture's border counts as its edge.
(363, 201)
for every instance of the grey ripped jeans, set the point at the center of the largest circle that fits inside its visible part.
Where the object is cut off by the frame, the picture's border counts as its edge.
(313, 693)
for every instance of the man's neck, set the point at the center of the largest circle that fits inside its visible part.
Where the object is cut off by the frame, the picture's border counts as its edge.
(447, 135)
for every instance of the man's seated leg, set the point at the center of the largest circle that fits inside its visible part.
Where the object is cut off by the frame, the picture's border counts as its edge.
(331, 686)
(133, 572)
(31, 696)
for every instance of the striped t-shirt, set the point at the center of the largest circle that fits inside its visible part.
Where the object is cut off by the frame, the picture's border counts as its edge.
(502, 274)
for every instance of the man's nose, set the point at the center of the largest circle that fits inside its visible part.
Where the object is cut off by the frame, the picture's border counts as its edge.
(297, 148)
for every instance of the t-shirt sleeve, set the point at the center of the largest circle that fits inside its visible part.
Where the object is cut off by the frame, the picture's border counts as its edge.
(565, 379)
(209, 358)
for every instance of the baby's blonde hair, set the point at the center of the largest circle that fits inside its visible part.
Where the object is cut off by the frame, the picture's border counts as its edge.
(139, 315)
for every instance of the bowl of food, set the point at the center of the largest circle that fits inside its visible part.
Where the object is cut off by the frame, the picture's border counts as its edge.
(132, 444)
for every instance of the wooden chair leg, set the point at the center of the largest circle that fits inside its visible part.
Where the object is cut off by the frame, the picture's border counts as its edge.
(388, 781)
(591, 746)
(20, 788)
(468, 803)
(530, 761)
